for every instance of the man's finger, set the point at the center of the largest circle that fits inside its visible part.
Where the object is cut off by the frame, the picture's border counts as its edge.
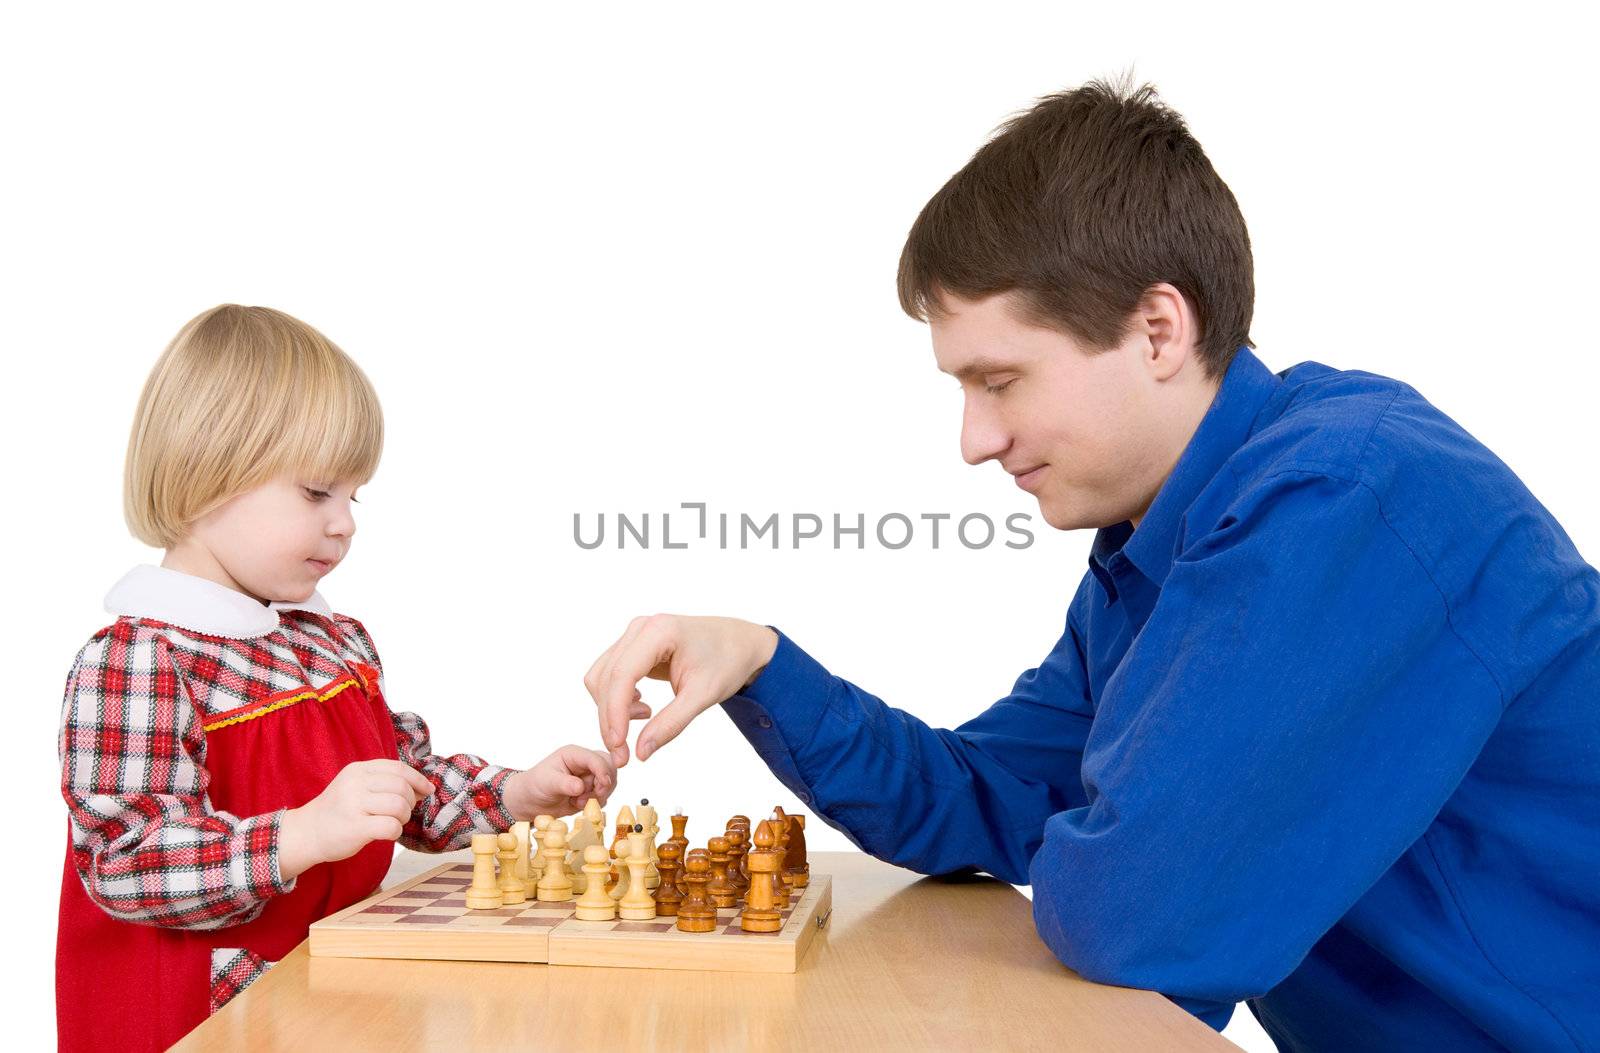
(691, 701)
(651, 646)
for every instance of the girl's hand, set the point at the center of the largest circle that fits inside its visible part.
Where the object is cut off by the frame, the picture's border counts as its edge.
(367, 801)
(561, 783)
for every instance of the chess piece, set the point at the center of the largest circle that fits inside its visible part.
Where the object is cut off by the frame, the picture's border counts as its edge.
(636, 904)
(555, 886)
(646, 817)
(541, 823)
(589, 829)
(761, 913)
(483, 893)
(619, 866)
(596, 903)
(743, 822)
(738, 846)
(669, 860)
(624, 827)
(519, 831)
(512, 889)
(782, 891)
(696, 912)
(720, 889)
(796, 867)
(679, 821)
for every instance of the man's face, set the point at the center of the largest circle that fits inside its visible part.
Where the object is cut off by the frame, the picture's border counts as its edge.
(1083, 432)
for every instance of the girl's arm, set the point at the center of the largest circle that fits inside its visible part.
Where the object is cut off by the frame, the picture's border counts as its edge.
(469, 794)
(146, 842)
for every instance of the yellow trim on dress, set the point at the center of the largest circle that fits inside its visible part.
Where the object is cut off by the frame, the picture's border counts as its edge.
(282, 703)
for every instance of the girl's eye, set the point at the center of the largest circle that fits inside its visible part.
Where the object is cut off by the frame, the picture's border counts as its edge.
(316, 494)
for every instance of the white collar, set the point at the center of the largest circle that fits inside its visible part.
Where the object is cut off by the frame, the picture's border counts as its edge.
(165, 595)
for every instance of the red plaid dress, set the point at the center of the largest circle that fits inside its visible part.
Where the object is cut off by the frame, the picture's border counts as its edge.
(188, 727)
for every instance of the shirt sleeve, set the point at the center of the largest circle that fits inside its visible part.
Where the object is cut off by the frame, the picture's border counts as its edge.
(930, 799)
(1290, 719)
(146, 842)
(468, 792)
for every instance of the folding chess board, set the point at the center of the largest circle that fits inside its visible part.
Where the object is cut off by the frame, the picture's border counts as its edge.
(427, 918)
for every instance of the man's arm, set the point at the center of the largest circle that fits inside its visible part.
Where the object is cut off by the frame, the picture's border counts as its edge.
(929, 799)
(933, 800)
(1287, 724)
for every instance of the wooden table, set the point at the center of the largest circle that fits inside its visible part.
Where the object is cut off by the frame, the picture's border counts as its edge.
(906, 963)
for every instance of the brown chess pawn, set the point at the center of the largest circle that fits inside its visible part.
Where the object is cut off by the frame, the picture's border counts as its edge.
(743, 822)
(668, 894)
(796, 867)
(720, 889)
(761, 913)
(696, 912)
(738, 846)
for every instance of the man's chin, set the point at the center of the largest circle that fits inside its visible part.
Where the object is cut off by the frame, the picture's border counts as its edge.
(1068, 515)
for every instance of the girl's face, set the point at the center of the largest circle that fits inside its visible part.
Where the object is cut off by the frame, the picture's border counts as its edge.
(275, 542)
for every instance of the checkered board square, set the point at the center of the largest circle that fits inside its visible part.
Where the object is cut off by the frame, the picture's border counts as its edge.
(427, 918)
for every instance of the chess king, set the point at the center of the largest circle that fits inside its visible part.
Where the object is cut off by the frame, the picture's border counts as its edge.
(1327, 641)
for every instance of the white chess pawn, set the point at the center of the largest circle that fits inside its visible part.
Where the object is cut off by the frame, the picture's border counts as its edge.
(555, 886)
(483, 893)
(512, 890)
(596, 903)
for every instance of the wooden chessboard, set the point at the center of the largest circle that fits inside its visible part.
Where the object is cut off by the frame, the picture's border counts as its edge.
(427, 918)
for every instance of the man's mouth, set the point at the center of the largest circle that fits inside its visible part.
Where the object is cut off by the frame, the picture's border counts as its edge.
(1030, 478)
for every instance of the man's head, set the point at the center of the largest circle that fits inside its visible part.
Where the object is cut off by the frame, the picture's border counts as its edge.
(1091, 252)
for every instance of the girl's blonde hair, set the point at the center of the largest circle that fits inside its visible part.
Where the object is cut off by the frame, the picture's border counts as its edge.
(241, 396)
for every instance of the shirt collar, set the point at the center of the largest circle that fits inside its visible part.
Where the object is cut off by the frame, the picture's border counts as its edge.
(189, 602)
(1244, 390)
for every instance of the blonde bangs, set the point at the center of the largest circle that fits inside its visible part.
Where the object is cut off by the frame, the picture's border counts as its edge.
(241, 396)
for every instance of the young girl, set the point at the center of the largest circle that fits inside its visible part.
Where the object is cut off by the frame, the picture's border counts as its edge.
(230, 766)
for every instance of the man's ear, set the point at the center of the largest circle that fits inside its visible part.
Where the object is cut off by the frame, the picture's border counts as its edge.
(1171, 328)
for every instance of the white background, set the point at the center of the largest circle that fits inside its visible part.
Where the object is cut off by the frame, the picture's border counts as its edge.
(616, 260)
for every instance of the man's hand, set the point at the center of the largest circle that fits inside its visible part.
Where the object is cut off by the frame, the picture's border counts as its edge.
(367, 801)
(706, 660)
(560, 784)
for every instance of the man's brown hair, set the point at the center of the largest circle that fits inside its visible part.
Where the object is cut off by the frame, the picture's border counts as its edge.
(1078, 206)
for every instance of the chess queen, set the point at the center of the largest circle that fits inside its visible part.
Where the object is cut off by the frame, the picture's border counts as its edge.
(231, 768)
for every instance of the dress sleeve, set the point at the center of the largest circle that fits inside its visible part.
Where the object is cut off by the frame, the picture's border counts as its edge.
(146, 842)
(468, 792)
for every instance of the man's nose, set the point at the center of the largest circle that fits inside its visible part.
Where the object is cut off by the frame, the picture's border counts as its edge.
(983, 437)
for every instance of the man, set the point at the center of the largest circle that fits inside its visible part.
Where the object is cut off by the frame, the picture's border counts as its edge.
(1321, 733)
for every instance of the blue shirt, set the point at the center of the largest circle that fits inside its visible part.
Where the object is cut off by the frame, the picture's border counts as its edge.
(1322, 735)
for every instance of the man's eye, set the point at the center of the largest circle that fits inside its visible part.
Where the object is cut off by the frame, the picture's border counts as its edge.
(995, 389)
